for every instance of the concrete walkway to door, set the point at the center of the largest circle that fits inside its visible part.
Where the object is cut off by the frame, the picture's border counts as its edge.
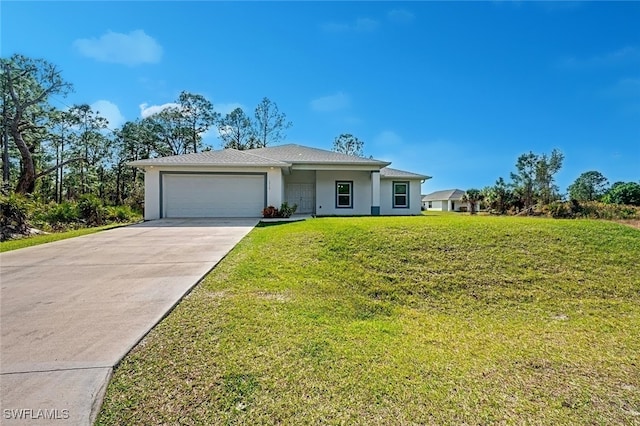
(70, 310)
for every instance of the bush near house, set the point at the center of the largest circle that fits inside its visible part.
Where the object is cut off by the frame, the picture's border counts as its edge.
(285, 211)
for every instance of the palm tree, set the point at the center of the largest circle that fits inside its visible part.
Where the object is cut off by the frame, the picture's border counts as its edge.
(473, 197)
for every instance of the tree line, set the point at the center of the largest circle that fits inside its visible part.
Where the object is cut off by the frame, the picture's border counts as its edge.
(57, 154)
(532, 187)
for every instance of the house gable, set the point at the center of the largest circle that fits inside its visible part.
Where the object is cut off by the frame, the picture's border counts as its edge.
(446, 200)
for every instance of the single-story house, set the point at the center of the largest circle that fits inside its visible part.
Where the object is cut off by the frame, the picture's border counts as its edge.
(447, 200)
(233, 183)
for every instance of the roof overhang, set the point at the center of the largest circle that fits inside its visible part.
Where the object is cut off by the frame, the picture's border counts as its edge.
(409, 177)
(144, 164)
(339, 166)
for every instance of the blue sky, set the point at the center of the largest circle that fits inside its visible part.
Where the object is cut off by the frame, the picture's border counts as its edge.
(453, 90)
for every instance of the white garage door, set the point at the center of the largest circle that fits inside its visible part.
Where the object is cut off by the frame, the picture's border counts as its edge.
(213, 195)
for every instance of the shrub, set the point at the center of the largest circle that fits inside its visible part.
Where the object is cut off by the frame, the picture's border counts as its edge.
(558, 210)
(135, 200)
(269, 211)
(13, 216)
(121, 214)
(58, 215)
(91, 210)
(286, 210)
(590, 210)
(20, 213)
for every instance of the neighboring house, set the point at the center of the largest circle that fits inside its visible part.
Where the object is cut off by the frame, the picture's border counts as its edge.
(232, 183)
(447, 200)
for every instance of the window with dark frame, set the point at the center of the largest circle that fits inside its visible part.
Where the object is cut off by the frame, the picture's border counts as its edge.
(400, 194)
(344, 194)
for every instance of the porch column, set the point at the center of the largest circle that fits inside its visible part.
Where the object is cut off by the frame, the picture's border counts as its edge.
(275, 187)
(375, 193)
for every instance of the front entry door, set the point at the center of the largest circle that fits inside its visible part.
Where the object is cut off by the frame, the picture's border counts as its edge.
(301, 194)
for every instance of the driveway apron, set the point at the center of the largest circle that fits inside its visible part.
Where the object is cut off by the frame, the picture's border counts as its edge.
(70, 310)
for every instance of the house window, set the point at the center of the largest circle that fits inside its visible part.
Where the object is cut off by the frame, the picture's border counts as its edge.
(344, 195)
(401, 194)
(430, 204)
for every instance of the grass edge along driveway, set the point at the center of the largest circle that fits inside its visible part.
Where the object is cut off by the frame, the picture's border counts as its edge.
(425, 320)
(36, 240)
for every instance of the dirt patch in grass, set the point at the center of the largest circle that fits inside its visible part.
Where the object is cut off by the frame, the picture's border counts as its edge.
(634, 223)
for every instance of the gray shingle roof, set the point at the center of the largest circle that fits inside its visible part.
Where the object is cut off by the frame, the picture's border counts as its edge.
(292, 153)
(225, 157)
(389, 173)
(447, 194)
(275, 156)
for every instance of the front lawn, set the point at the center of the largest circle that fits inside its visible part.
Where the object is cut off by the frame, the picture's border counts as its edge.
(422, 320)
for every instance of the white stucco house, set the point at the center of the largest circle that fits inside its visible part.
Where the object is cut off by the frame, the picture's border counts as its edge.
(232, 183)
(447, 200)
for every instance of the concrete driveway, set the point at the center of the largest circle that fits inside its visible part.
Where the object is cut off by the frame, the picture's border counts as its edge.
(70, 310)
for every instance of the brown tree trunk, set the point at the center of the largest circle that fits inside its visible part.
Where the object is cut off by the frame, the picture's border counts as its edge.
(26, 183)
(61, 171)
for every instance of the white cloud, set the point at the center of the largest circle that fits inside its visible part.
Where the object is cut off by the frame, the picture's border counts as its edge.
(387, 138)
(331, 103)
(146, 110)
(400, 16)
(110, 111)
(360, 25)
(134, 48)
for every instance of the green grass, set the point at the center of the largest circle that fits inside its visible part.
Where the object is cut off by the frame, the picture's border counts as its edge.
(36, 240)
(421, 320)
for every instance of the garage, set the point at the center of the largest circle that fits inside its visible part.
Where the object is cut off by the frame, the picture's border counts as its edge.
(212, 195)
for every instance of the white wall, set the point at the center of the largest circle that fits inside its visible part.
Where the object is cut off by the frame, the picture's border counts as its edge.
(325, 181)
(151, 194)
(326, 192)
(275, 187)
(386, 198)
(375, 193)
(445, 205)
(437, 205)
(300, 176)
